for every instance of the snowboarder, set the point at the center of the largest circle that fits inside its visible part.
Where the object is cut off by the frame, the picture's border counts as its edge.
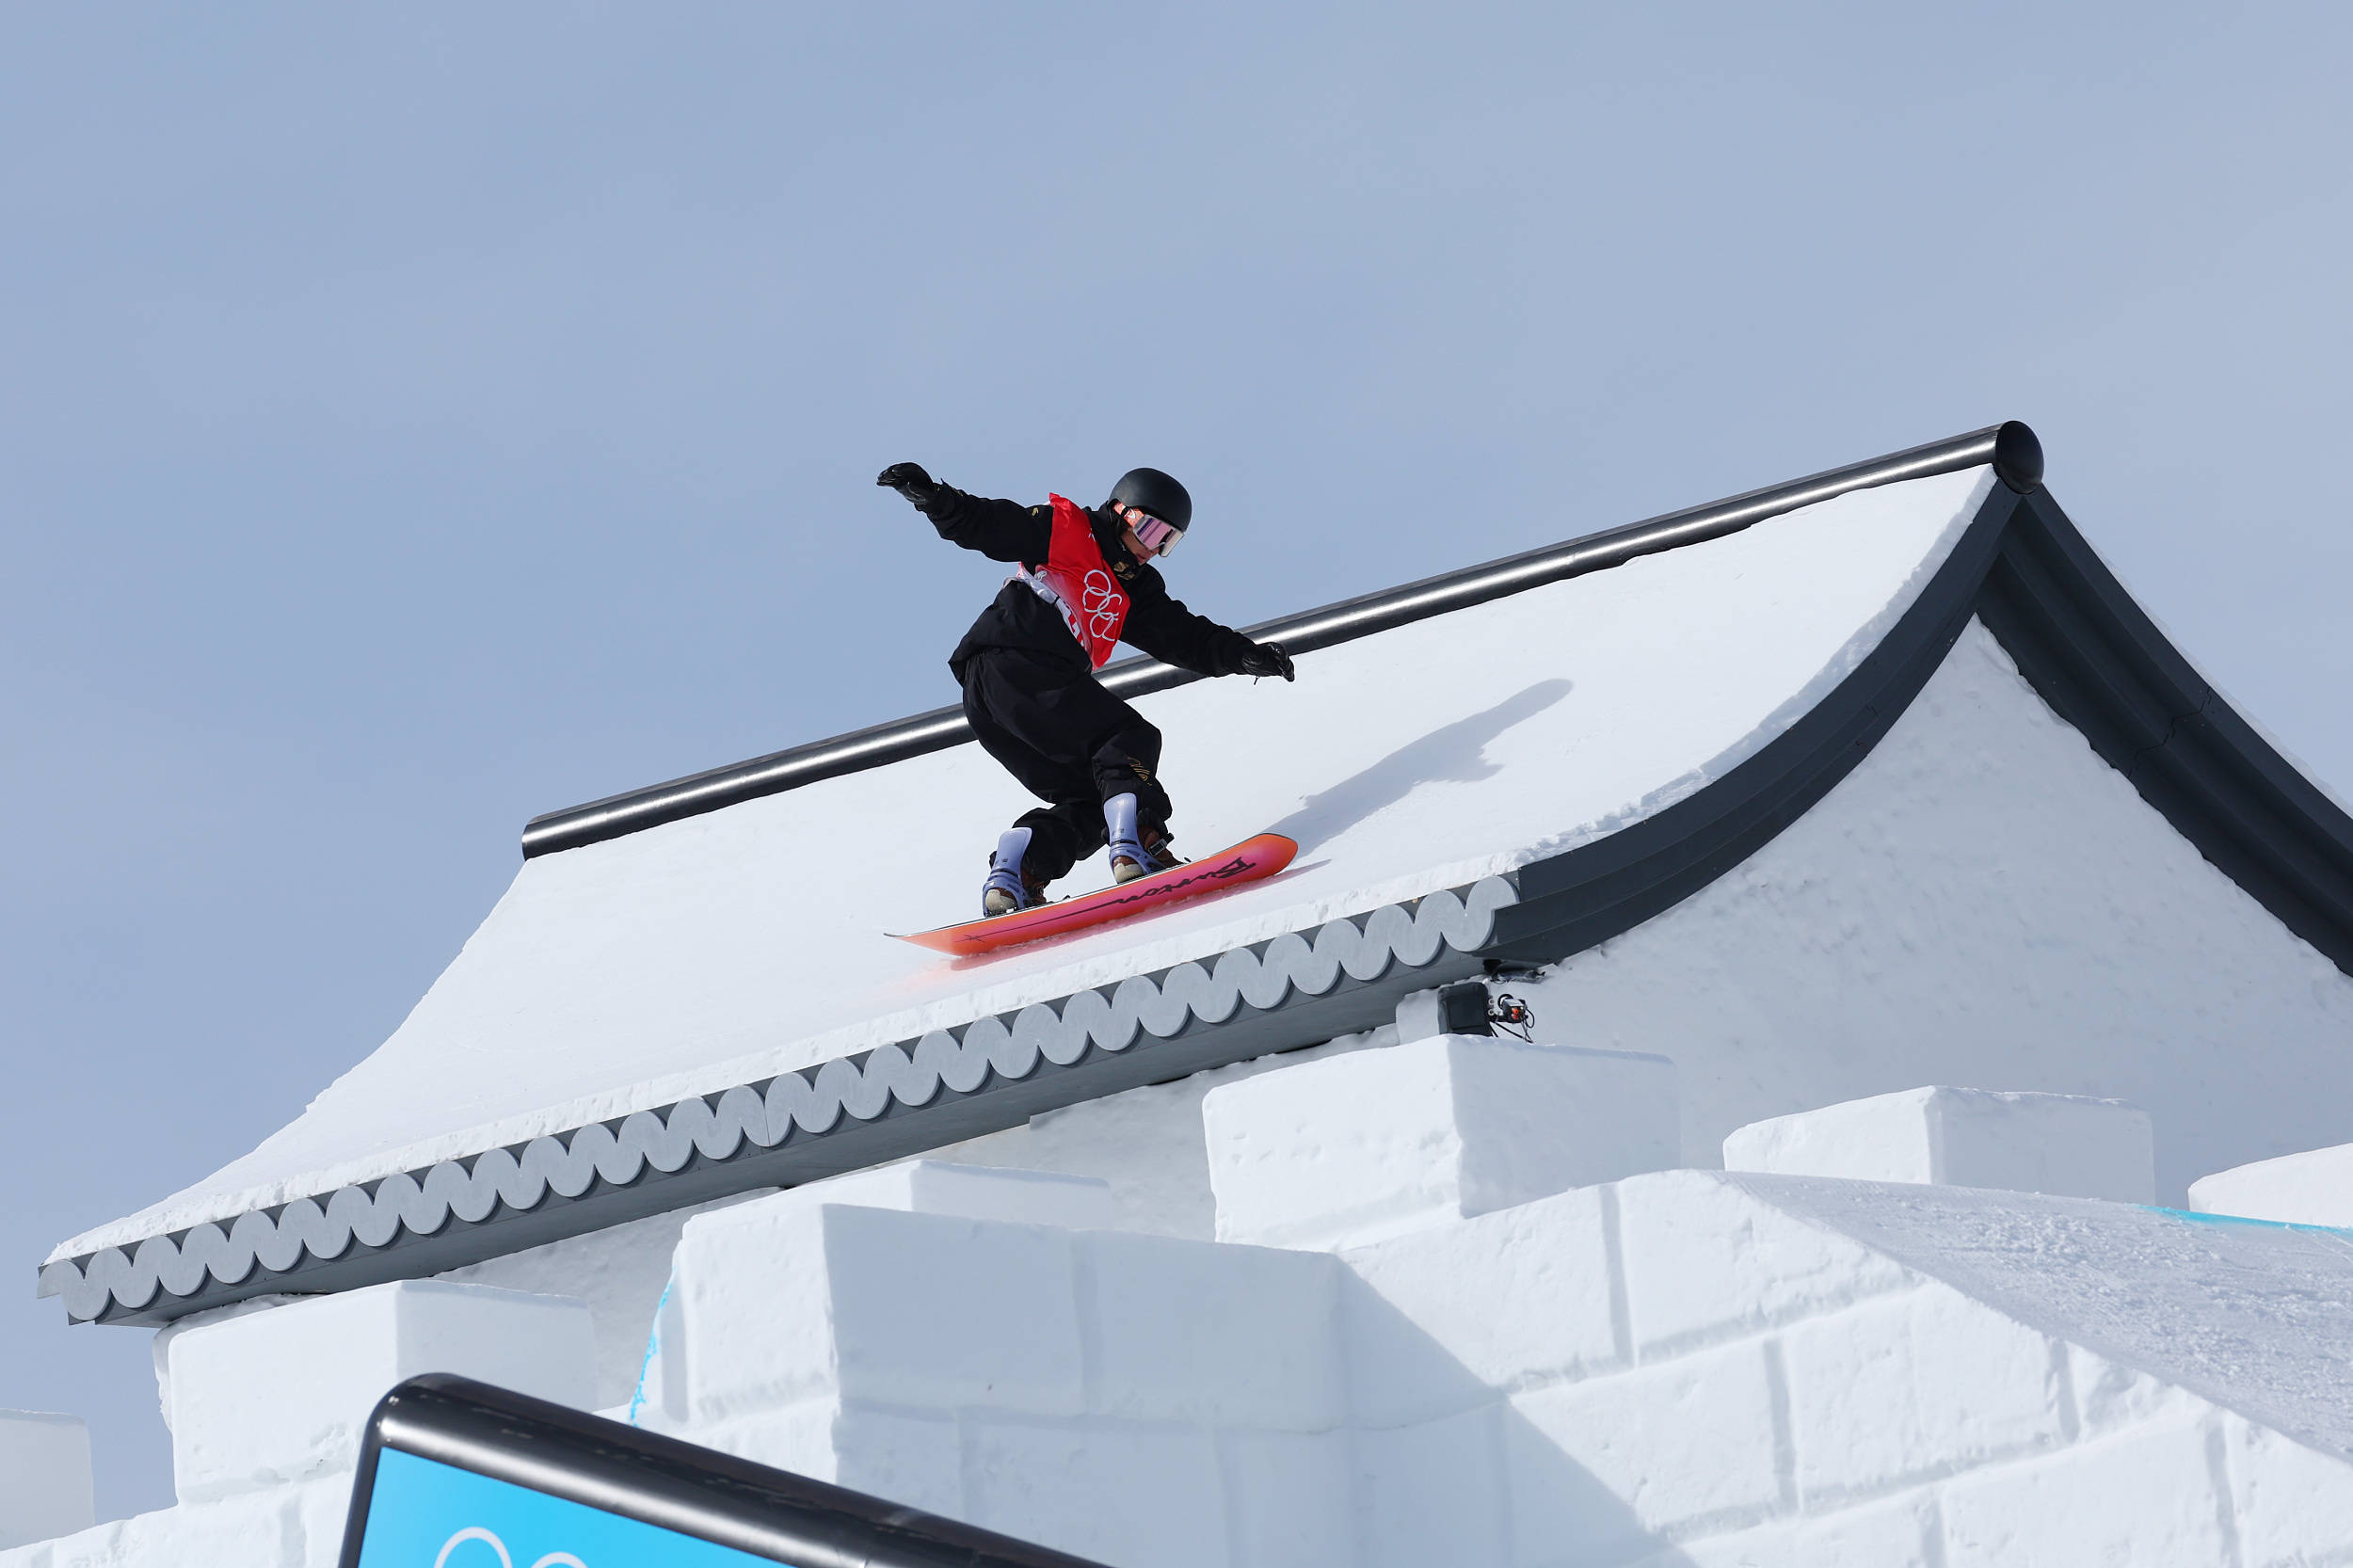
(1082, 582)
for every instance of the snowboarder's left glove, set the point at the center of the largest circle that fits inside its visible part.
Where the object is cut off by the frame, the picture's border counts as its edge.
(910, 481)
(1267, 659)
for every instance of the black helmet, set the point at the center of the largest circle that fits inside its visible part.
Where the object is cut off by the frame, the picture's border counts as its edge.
(1150, 490)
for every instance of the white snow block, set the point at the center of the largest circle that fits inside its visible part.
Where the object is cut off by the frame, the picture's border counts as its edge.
(1912, 1388)
(1288, 1499)
(2067, 1145)
(1704, 1262)
(281, 1396)
(760, 1289)
(45, 1477)
(911, 1458)
(2293, 1506)
(2147, 1495)
(971, 1191)
(785, 1301)
(2315, 1188)
(1680, 1447)
(1374, 1144)
(1432, 1322)
(1193, 1331)
(1438, 1492)
(1139, 1495)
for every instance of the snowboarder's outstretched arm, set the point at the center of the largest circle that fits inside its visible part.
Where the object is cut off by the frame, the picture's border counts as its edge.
(1000, 530)
(1162, 627)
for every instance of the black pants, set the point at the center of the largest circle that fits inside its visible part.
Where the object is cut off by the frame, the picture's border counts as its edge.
(1070, 743)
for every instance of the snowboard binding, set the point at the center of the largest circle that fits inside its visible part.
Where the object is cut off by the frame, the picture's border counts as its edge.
(1135, 852)
(1008, 888)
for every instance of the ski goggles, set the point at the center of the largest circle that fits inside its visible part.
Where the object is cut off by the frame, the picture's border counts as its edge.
(1155, 536)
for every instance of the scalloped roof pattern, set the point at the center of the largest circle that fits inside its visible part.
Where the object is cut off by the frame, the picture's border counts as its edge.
(795, 1127)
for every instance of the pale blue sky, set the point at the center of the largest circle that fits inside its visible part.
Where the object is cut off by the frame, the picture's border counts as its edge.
(414, 418)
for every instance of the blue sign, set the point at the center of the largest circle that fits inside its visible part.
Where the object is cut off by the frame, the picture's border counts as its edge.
(426, 1515)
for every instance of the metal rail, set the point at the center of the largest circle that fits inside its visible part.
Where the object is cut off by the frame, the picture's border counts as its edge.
(2010, 448)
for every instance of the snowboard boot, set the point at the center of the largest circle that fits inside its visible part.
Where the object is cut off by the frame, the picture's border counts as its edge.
(1135, 851)
(1009, 888)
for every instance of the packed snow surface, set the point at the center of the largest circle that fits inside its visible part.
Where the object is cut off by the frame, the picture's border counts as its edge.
(695, 956)
(2258, 1318)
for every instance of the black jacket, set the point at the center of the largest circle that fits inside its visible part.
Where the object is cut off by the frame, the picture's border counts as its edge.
(1018, 619)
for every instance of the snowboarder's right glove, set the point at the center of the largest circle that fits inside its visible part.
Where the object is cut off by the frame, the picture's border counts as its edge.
(910, 481)
(1267, 659)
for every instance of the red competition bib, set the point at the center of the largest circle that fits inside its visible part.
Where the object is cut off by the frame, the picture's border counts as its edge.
(1078, 582)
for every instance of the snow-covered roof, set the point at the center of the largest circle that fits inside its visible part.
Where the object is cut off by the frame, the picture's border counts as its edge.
(665, 1016)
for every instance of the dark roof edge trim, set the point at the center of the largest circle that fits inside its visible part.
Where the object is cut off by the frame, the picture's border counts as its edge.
(673, 1486)
(2088, 651)
(2106, 668)
(2011, 448)
(1578, 899)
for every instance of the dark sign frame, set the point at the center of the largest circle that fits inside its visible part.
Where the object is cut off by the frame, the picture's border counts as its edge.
(658, 1481)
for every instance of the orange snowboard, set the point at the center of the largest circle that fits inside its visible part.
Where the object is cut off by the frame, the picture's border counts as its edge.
(1247, 861)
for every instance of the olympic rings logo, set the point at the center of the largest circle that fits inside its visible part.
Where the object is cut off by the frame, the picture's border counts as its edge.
(1104, 606)
(475, 1532)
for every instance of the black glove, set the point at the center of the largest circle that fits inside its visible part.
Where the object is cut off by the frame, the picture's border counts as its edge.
(1267, 659)
(910, 481)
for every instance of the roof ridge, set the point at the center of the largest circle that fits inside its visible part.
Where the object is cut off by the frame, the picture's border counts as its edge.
(2011, 449)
